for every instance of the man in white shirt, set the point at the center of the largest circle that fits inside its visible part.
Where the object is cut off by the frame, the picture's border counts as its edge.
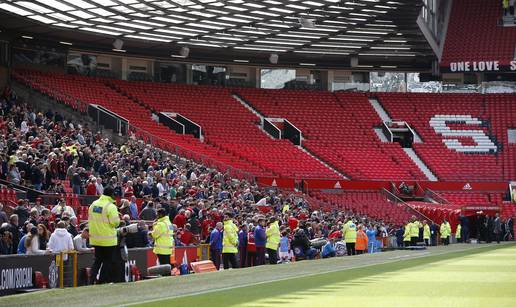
(99, 186)
(63, 209)
(80, 241)
(162, 187)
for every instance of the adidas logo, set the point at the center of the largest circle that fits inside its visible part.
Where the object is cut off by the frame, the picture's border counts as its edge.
(467, 186)
(274, 183)
(337, 185)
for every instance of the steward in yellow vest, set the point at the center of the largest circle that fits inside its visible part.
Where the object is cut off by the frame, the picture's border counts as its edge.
(414, 231)
(163, 235)
(426, 233)
(349, 232)
(445, 232)
(457, 233)
(103, 219)
(229, 242)
(406, 235)
(273, 239)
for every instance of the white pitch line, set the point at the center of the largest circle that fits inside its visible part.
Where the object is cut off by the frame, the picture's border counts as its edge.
(421, 255)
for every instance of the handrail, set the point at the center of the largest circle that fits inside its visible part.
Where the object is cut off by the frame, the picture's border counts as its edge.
(400, 201)
(108, 111)
(437, 197)
(121, 123)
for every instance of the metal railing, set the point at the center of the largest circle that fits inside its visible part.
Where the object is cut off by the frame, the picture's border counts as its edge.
(108, 119)
(396, 200)
(438, 198)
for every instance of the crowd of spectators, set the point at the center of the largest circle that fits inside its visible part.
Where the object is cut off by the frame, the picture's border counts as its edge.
(49, 153)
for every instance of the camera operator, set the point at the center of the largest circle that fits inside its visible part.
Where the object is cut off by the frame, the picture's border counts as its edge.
(163, 235)
(103, 219)
(121, 253)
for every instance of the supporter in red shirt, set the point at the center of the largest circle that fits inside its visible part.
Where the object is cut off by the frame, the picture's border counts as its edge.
(207, 224)
(335, 234)
(180, 219)
(129, 190)
(91, 188)
(251, 248)
(187, 236)
(292, 222)
(215, 216)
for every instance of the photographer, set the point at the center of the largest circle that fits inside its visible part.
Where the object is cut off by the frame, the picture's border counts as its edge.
(103, 219)
(163, 235)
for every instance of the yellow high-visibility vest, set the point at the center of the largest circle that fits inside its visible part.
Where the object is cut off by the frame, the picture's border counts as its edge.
(103, 220)
(163, 235)
(273, 236)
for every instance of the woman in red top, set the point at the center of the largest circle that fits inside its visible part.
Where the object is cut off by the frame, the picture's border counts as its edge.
(129, 190)
(187, 236)
(91, 188)
(292, 223)
(251, 248)
(207, 224)
(180, 219)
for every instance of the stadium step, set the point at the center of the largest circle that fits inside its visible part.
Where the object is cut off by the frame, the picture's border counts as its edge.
(262, 117)
(379, 109)
(322, 162)
(420, 164)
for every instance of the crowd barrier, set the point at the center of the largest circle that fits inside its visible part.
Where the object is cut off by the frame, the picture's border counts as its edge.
(20, 273)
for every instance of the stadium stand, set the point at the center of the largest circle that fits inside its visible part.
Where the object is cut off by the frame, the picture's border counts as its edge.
(339, 129)
(447, 164)
(373, 204)
(501, 110)
(228, 125)
(475, 34)
(69, 89)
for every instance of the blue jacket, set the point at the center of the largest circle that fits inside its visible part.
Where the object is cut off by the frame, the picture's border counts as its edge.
(328, 248)
(21, 246)
(242, 239)
(371, 235)
(216, 239)
(260, 237)
(133, 209)
(283, 245)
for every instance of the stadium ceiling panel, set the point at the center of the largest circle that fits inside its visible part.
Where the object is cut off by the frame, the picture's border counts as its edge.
(325, 28)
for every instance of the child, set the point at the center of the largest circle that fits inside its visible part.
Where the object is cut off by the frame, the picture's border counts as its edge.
(371, 239)
(284, 248)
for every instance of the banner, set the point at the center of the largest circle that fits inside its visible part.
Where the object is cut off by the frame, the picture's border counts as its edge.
(316, 184)
(479, 66)
(465, 186)
(432, 185)
(284, 183)
(17, 272)
(480, 209)
(178, 254)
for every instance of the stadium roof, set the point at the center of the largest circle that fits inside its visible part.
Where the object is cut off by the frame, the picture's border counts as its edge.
(324, 32)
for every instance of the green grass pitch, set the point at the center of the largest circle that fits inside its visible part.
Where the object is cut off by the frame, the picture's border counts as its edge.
(487, 278)
(457, 275)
